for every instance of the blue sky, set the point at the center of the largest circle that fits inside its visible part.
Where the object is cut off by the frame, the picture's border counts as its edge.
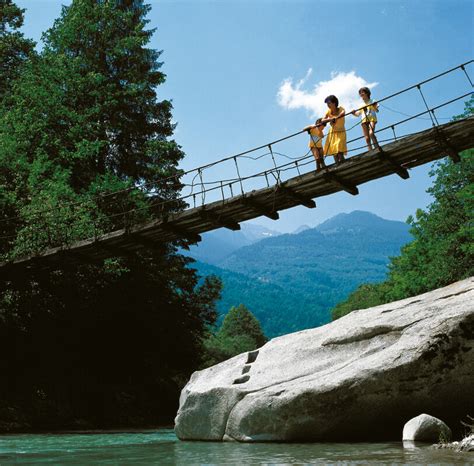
(227, 60)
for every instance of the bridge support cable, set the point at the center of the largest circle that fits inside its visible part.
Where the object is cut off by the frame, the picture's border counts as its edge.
(409, 150)
(277, 178)
(297, 168)
(394, 134)
(467, 75)
(203, 189)
(439, 136)
(222, 191)
(430, 112)
(445, 145)
(239, 177)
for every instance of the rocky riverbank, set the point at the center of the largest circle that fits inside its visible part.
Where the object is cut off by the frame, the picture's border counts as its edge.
(361, 377)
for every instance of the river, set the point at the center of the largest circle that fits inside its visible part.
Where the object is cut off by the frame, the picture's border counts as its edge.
(161, 447)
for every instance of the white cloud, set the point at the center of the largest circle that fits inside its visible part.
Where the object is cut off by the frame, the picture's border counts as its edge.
(345, 86)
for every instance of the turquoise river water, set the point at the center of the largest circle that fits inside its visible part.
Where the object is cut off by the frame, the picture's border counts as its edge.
(161, 447)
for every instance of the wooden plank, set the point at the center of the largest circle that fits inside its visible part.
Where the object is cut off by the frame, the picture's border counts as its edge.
(217, 220)
(299, 198)
(180, 232)
(445, 145)
(341, 183)
(260, 208)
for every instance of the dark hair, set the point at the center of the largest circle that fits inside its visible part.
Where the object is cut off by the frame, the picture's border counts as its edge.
(333, 99)
(366, 90)
(318, 122)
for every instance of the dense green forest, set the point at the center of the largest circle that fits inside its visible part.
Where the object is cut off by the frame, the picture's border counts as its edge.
(442, 250)
(86, 147)
(239, 332)
(291, 282)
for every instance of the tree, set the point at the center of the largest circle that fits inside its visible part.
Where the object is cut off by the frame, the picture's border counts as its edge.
(86, 124)
(14, 48)
(84, 140)
(240, 332)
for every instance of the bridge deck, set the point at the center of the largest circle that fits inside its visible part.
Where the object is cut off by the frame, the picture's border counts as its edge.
(396, 158)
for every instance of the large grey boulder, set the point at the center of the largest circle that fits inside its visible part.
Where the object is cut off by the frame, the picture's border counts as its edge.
(358, 378)
(426, 428)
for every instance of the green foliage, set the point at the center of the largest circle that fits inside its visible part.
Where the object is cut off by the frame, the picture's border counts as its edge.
(240, 332)
(292, 281)
(442, 250)
(365, 296)
(112, 343)
(14, 48)
(84, 122)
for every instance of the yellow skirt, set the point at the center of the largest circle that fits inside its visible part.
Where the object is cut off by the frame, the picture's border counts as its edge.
(317, 144)
(335, 142)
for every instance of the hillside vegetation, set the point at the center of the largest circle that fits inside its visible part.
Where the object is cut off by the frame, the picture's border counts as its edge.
(290, 282)
(442, 249)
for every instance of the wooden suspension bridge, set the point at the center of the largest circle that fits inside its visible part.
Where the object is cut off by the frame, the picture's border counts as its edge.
(397, 157)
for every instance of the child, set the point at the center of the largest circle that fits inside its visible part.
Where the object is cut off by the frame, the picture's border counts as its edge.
(336, 144)
(315, 137)
(369, 117)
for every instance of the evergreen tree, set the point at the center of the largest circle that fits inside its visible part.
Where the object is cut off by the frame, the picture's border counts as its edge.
(240, 332)
(14, 48)
(111, 343)
(239, 322)
(86, 123)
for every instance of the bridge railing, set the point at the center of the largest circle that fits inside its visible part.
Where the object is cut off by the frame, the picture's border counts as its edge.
(417, 107)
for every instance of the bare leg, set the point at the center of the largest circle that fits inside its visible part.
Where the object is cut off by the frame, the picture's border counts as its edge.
(321, 157)
(372, 134)
(365, 129)
(315, 152)
(339, 158)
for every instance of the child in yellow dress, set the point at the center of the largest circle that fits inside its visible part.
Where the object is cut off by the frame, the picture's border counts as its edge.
(315, 137)
(369, 117)
(336, 143)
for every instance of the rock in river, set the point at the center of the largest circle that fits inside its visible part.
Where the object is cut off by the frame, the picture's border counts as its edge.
(358, 378)
(426, 428)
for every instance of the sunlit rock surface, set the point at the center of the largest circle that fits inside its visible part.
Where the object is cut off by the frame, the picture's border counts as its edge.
(361, 377)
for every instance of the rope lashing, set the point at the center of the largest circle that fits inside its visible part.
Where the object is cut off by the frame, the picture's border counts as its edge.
(430, 112)
(203, 189)
(393, 130)
(238, 174)
(467, 75)
(277, 178)
(222, 191)
(297, 168)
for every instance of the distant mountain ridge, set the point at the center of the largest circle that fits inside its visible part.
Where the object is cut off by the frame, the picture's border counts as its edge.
(291, 281)
(218, 244)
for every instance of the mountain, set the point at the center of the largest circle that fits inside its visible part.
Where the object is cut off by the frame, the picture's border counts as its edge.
(359, 221)
(218, 244)
(291, 281)
(301, 228)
